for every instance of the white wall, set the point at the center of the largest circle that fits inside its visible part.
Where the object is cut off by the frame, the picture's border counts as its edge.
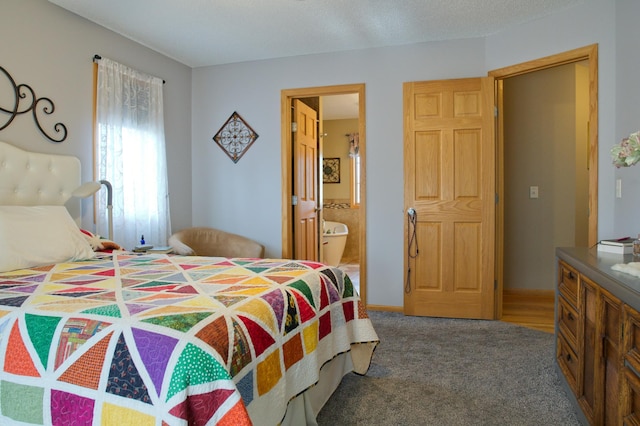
(253, 89)
(245, 197)
(627, 113)
(51, 50)
(593, 22)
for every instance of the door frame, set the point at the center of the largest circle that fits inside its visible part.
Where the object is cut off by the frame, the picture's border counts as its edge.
(286, 155)
(589, 53)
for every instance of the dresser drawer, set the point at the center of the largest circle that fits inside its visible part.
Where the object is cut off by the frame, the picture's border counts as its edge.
(631, 340)
(568, 321)
(568, 283)
(568, 362)
(630, 397)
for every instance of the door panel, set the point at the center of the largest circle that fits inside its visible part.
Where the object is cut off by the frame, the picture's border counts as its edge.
(450, 182)
(305, 183)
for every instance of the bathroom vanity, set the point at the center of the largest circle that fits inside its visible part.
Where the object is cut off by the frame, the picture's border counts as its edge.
(598, 335)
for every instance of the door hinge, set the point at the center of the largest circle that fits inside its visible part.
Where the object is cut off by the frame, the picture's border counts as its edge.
(497, 198)
(495, 284)
(294, 127)
(495, 111)
(294, 200)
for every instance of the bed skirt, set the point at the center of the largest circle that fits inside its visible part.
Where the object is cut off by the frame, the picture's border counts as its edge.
(304, 408)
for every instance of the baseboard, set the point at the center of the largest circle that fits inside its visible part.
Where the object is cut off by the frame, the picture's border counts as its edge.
(514, 293)
(384, 308)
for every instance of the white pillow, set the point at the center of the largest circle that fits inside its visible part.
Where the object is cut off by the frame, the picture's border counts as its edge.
(39, 235)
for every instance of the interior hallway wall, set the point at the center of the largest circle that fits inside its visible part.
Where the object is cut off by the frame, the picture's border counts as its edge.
(545, 149)
(627, 115)
(254, 89)
(246, 197)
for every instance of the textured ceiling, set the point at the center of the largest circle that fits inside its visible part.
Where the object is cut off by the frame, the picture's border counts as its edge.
(213, 32)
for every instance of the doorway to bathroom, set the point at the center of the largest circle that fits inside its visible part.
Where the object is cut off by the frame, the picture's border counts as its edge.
(339, 172)
(340, 182)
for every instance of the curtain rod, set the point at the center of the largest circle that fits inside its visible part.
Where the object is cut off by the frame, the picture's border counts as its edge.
(98, 57)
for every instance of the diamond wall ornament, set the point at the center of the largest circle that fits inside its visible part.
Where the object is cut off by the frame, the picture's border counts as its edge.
(235, 137)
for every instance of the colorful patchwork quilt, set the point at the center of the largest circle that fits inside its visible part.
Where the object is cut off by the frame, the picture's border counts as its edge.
(172, 340)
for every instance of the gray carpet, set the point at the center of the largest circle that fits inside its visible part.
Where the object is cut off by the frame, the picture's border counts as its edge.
(435, 371)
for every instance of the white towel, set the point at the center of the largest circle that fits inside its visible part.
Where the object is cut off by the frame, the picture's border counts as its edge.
(631, 268)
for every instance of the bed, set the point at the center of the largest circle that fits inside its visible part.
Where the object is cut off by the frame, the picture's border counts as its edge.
(159, 339)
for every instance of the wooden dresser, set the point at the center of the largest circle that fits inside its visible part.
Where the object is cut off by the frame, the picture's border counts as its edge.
(598, 336)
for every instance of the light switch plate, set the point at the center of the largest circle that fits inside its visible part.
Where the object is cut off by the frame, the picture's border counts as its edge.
(533, 192)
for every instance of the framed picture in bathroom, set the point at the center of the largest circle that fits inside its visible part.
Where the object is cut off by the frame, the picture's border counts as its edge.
(331, 170)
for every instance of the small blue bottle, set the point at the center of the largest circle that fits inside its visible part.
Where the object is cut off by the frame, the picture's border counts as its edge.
(142, 240)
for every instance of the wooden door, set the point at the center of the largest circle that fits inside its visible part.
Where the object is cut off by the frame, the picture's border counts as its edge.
(449, 163)
(305, 182)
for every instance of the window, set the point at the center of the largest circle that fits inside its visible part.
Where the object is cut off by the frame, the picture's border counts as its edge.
(354, 155)
(355, 181)
(130, 153)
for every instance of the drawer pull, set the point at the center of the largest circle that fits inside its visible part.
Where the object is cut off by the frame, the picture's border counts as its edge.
(570, 316)
(571, 276)
(568, 357)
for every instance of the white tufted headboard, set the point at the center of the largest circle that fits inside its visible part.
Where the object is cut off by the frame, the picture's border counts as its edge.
(36, 179)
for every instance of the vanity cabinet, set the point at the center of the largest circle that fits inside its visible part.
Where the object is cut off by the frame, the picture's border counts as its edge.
(598, 338)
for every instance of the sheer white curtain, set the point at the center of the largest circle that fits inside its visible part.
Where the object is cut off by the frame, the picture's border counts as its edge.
(131, 155)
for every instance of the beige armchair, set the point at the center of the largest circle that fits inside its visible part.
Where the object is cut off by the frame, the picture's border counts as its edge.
(202, 241)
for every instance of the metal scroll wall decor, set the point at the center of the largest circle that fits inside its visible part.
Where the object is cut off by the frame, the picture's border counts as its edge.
(235, 137)
(25, 100)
